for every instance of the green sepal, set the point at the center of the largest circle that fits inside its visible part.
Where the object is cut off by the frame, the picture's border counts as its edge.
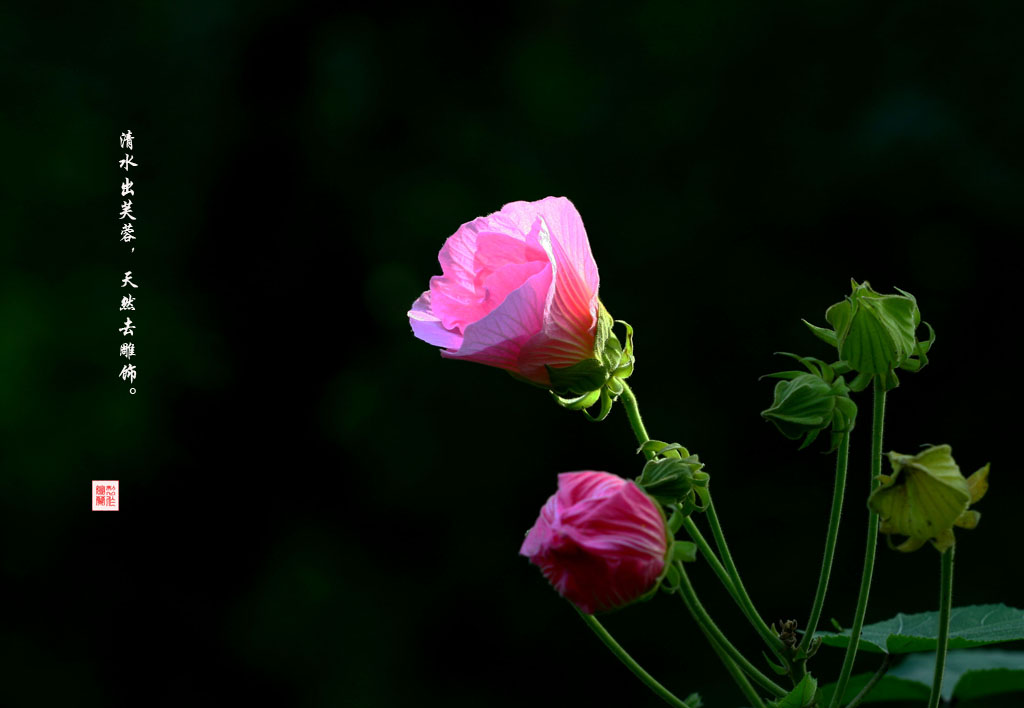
(875, 335)
(583, 377)
(577, 403)
(604, 328)
(801, 405)
(694, 701)
(920, 360)
(670, 583)
(815, 645)
(881, 334)
(684, 551)
(826, 335)
(675, 522)
(777, 668)
(601, 378)
(663, 449)
(860, 382)
(611, 355)
(625, 367)
(668, 480)
(841, 367)
(805, 403)
(589, 374)
(606, 406)
(703, 494)
(615, 386)
(925, 346)
(787, 375)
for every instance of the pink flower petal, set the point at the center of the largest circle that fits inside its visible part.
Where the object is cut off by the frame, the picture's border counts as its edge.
(497, 338)
(427, 327)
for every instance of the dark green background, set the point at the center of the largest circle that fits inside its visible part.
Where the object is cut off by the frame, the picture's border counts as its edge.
(317, 509)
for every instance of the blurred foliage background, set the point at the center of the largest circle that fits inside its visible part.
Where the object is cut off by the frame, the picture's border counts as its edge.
(317, 509)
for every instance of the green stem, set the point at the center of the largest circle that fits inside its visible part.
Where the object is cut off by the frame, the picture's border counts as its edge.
(708, 625)
(637, 423)
(729, 575)
(633, 413)
(945, 605)
(877, 424)
(630, 662)
(741, 595)
(709, 556)
(842, 457)
(738, 676)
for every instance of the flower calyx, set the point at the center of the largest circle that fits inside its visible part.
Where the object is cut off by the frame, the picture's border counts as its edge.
(807, 402)
(875, 335)
(599, 379)
(925, 497)
(673, 477)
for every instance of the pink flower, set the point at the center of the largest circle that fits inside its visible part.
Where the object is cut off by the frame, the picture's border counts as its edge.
(519, 291)
(600, 541)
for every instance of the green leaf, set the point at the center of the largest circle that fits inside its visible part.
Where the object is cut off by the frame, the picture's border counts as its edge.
(890, 688)
(972, 626)
(969, 674)
(984, 672)
(802, 695)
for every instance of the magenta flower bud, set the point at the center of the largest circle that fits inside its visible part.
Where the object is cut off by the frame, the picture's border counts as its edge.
(600, 541)
(519, 292)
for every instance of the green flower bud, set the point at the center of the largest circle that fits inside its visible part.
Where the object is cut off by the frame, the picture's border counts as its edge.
(926, 496)
(808, 402)
(674, 478)
(875, 335)
(669, 481)
(600, 378)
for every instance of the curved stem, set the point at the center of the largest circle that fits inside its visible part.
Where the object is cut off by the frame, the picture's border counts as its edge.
(715, 636)
(630, 662)
(633, 413)
(737, 675)
(742, 597)
(882, 670)
(708, 625)
(877, 424)
(842, 457)
(709, 556)
(945, 605)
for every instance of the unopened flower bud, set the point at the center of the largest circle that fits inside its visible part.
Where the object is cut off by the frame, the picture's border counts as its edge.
(807, 403)
(600, 541)
(875, 334)
(672, 481)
